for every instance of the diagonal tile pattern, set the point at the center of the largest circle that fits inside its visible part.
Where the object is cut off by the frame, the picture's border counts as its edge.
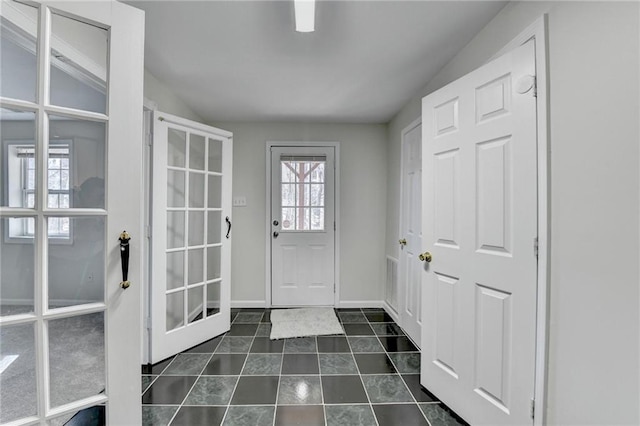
(370, 376)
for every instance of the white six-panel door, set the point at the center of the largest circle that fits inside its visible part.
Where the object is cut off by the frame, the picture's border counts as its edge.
(191, 237)
(480, 225)
(302, 226)
(411, 269)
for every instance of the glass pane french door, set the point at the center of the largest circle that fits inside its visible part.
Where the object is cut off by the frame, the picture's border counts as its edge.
(57, 137)
(190, 292)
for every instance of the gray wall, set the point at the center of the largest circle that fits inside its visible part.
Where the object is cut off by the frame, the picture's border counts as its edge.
(594, 198)
(165, 99)
(362, 205)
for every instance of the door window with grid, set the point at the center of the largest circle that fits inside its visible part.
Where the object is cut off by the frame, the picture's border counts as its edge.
(302, 191)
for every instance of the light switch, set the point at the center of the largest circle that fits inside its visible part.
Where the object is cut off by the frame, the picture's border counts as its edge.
(240, 201)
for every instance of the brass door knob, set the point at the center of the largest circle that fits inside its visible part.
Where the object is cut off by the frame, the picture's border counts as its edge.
(403, 242)
(425, 257)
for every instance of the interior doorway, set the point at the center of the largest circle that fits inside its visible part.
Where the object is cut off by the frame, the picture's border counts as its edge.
(302, 224)
(410, 266)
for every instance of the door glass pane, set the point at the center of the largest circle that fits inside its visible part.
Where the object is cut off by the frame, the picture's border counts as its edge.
(175, 269)
(76, 263)
(213, 263)
(18, 176)
(17, 372)
(213, 298)
(18, 34)
(76, 163)
(302, 187)
(215, 156)
(215, 192)
(175, 310)
(175, 229)
(177, 147)
(196, 228)
(214, 223)
(196, 304)
(78, 64)
(196, 152)
(76, 358)
(196, 266)
(175, 188)
(17, 266)
(95, 415)
(196, 190)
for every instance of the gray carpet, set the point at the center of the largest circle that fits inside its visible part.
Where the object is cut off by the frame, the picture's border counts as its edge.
(76, 356)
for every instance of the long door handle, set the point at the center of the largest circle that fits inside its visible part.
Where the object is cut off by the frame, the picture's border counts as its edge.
(124, 258)
(228, 226)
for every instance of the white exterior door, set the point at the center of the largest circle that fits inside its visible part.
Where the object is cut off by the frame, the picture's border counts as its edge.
(302, 226)
(191, 235)
(70, 128)
(411, 269)
(480, 226)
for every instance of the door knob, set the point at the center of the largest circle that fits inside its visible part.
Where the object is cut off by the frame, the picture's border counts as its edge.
(425, 257)
(403, 242)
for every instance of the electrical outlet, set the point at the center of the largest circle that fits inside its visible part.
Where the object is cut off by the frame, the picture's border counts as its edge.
(240, 201)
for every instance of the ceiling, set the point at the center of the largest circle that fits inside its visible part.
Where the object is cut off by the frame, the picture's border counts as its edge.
(243, 61)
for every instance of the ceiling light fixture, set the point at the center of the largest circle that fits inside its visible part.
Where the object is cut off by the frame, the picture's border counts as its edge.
(305, 11)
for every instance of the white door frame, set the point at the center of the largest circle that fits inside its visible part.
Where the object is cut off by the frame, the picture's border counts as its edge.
(336, 251)
(402, 279)
(538, 32)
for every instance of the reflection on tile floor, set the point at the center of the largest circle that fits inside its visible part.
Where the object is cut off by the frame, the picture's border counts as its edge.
(370, 376)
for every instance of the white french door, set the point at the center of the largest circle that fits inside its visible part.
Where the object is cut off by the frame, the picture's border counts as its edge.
(480, 226)
(191, 235)
(411, 269)
(70, 128)
(302, 228)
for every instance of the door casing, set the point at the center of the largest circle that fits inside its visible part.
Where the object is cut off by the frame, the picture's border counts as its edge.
(336, 252)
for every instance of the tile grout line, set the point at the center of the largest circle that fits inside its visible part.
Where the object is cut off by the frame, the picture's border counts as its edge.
(366, 392)
(233, 392)
(194, 383)
(275, 406)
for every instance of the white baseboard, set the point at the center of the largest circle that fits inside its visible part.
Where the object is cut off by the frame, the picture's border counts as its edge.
(360, 304)
(392, 313)
(248, 304)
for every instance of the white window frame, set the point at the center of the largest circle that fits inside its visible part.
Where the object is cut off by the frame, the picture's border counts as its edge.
(13, 168)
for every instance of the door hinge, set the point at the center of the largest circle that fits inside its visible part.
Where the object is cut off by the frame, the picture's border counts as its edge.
(334, 226)
(147, 323)
(334, 288)
(148, 138)
(535, 86)
(148, 232)
(536, 247)
(533, 408)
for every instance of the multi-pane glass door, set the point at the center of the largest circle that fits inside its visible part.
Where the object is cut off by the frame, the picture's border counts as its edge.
(54, 216)
(191, 234)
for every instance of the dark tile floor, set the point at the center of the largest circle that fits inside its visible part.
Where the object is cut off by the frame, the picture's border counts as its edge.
(368, 377)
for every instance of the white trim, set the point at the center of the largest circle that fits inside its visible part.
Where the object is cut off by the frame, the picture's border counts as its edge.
(538, 31)
(326, 144)
(361, 304)
(249, 304)
(210, 130)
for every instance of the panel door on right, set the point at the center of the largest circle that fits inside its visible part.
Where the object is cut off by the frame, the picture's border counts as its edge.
(480, 224)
